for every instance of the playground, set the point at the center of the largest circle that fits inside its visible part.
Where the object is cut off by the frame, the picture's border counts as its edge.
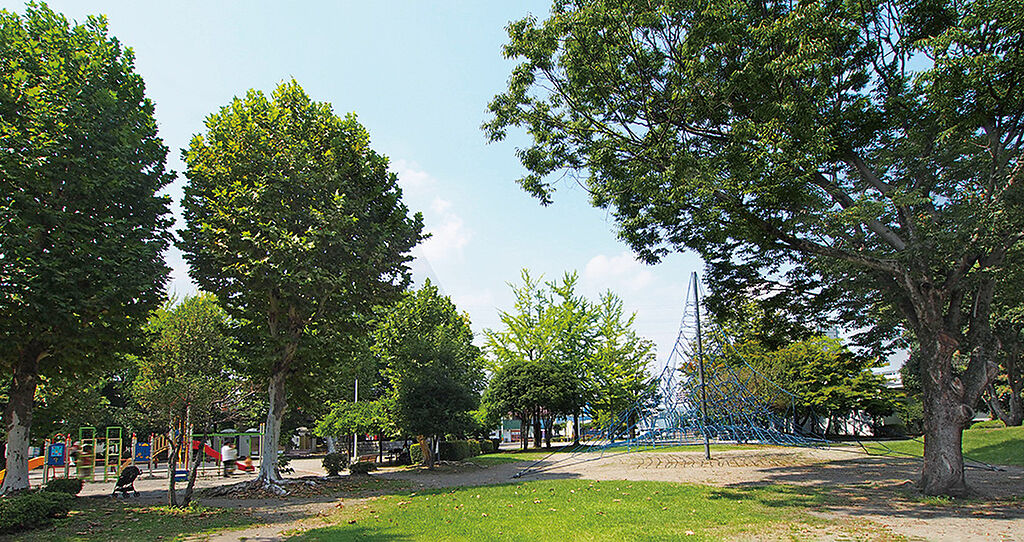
(102, 456)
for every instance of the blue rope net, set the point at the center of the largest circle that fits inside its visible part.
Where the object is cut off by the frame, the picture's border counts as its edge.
(742, 405)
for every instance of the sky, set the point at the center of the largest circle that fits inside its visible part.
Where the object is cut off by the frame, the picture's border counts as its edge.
(419, 76)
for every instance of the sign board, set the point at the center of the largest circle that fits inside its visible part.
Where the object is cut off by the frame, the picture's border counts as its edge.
(55, 456)
(142, 452)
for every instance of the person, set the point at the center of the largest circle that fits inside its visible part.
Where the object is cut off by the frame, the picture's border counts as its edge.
(228, 456)
(245, 464)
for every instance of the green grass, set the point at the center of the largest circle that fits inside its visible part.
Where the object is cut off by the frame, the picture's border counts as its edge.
(576, 510)
(109, 519)
(998, 446)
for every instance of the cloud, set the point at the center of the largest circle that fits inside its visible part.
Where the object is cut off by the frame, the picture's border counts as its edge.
(621, 272)
(448, 236)
(448, 231)
(411, 178)
(440, 206)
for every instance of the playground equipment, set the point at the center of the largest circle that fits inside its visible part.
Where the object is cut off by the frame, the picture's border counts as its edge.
(96, 451)
(705, 392)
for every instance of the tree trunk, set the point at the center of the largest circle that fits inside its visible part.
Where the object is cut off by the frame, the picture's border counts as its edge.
(524, 432)
(576, 428)
(332, 447)
(18, 417)
(536, 429)
(272, 433)
(172, 462)
(945, 417)
(428, 454)
(1012, 412)
(193, 470)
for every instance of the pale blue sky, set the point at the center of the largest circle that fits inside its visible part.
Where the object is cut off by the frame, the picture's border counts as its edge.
(419, 75)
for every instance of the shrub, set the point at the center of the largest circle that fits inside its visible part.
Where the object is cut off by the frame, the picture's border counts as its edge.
(71, 486)
(28, 510)
(335, 463)
(487, 447)
(474, 448)
(453, 450)
(415, 454)
(361, 467)
(989, 424)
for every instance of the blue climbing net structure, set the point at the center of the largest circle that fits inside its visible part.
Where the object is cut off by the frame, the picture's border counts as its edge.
(736, 404)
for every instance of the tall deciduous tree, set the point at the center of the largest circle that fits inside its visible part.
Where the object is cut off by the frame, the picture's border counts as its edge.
(870, 152)
(297, 226)
(82, 228)
(185, 376)
(434, 371)
(620, 361)
(589, 356)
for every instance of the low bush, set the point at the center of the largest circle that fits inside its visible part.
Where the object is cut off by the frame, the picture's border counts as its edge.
(71, 486)
(457, 450)
(988, 424)
(36, 509)
(334, 463)
(487, 447)
(415, 454)
(361, 467)
(453, 450)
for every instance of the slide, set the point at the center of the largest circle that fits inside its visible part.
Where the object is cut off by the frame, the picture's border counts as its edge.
(33, 463)
(206, 448)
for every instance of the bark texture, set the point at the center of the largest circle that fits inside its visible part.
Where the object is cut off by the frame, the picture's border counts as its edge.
(272, 433)
(18, 417)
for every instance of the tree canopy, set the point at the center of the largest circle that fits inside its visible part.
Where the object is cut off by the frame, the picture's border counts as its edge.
(82, 228)
(849, 157)
(578, 356)
(297, 226)
(434, 372)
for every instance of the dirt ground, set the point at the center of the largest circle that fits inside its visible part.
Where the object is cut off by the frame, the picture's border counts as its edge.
(877, 490)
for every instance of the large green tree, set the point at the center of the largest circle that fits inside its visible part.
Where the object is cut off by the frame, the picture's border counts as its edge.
(590, 357)
(860, 154)
(82, 228)
(185, 377)
(297, 226)
(623, 387)
(434, 372)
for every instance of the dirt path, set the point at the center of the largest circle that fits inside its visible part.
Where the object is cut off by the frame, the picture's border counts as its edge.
(864, 488)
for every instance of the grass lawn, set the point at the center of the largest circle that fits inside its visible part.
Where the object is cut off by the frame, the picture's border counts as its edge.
(998, 446)
(110, 519)
(577, 510)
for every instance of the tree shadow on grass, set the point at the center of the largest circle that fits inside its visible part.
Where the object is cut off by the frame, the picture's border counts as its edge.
(887, 486)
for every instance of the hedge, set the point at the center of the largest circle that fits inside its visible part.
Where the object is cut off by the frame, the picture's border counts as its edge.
(415, 454)
(487, 447)
(474, 448)
(71, 486)
(36, 509)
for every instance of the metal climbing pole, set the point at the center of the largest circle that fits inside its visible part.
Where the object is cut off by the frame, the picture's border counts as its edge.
(700, 365)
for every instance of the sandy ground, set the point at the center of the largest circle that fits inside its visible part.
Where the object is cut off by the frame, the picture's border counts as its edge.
(867, 488)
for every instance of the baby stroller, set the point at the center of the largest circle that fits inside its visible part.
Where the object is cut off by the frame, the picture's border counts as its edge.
(126, 481)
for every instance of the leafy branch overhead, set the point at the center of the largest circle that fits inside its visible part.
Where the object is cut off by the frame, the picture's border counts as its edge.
(860, 162)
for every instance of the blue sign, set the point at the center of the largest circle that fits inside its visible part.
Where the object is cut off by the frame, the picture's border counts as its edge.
(55, 457)
(142, 452)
